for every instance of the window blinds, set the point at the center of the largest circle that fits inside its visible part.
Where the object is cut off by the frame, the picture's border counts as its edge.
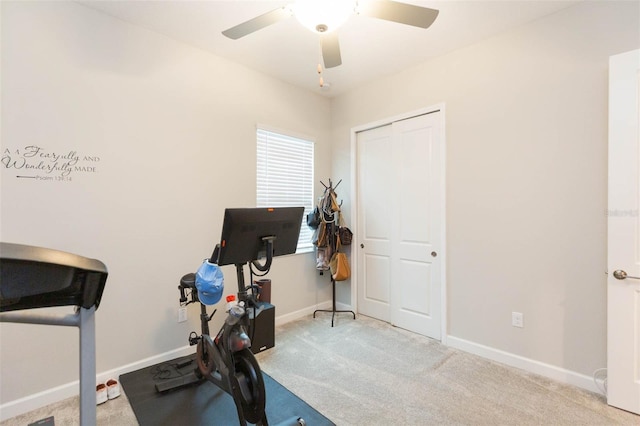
(285, 176)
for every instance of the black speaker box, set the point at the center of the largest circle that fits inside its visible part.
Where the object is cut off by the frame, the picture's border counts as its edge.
(262, 327)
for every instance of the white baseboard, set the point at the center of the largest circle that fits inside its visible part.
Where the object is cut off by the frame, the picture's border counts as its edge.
(292, 316)
(526, 364)
(68, 390)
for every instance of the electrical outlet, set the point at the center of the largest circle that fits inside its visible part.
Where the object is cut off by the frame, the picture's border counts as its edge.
(182, 314)
(517, 319)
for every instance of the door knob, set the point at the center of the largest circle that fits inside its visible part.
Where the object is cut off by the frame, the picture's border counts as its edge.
(361, 245)
(434, 254)
(621, 275)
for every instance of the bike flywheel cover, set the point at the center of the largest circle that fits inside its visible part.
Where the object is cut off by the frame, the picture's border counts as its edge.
(248, 371)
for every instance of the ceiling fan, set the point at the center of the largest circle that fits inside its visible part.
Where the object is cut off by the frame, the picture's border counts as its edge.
(325, 16)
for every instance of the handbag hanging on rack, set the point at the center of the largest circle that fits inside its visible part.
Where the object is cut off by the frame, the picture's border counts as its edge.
(339, 265)
(344, 233)
(320, 235)
(313, 218)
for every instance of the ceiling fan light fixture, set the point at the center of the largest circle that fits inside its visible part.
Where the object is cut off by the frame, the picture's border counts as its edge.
(323, 15)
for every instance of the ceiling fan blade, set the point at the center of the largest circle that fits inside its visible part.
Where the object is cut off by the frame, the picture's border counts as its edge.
(330, 49)
(258, 23)
(402, 13)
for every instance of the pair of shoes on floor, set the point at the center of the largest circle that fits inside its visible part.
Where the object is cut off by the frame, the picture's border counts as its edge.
(110, 390)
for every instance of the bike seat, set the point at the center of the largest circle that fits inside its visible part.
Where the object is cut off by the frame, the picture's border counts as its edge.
(188, 281)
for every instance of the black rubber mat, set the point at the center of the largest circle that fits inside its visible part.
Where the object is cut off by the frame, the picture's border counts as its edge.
(203, 403)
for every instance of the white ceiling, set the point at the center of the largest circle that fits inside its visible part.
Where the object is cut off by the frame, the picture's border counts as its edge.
(370, 47)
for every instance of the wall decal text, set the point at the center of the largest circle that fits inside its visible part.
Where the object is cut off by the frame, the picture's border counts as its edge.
(36, 162)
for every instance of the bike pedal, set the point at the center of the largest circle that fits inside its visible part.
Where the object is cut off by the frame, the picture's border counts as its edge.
(194, 338)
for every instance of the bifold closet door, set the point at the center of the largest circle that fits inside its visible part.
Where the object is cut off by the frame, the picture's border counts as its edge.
(375, 198)
(399, 205)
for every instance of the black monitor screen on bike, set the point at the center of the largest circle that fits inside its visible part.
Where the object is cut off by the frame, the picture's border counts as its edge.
(244, 231)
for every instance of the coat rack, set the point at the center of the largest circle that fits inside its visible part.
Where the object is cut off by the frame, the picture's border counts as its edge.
(329, 210)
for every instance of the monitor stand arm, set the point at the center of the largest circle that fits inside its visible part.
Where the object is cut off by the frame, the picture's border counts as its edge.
(267, 264)
(242, 291)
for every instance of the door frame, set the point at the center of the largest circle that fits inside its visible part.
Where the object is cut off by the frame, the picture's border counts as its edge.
(440, 107)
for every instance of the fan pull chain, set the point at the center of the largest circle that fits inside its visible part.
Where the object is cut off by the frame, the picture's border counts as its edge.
(321, 80)
(319, 69)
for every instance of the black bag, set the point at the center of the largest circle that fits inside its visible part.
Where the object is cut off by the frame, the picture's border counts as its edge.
(345, 235)
(313, 219)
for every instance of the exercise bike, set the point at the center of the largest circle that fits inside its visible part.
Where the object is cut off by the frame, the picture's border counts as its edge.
(226, 360)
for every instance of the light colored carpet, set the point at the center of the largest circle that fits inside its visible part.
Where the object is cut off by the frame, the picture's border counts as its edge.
(115, 412)
(366, 372)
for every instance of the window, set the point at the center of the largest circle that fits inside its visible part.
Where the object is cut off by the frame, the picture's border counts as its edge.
(285, 177)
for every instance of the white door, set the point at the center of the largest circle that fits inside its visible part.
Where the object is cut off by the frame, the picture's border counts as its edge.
(623, 294)
(375, 190)
(399, 196)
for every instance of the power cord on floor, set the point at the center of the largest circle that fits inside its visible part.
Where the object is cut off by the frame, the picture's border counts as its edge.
(168, 370)
(600, 375)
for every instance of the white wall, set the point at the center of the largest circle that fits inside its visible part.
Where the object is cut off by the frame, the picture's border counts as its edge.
(173, 130)
(526, 136)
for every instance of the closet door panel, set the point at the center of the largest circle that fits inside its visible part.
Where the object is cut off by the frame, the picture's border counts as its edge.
(374, 240)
